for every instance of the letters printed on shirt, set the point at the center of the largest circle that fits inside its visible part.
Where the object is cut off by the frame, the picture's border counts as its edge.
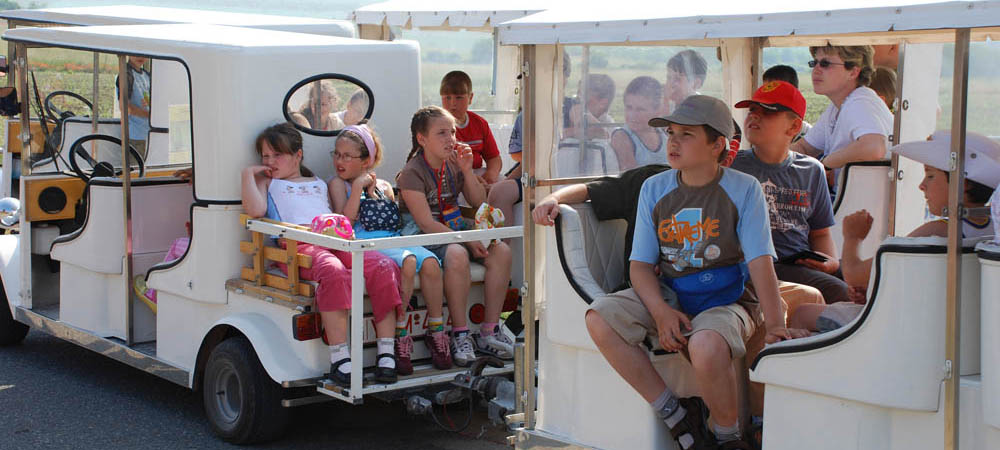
(684, 238)
(786, 207)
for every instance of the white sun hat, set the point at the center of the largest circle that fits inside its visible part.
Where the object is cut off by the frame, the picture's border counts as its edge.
(982, 155)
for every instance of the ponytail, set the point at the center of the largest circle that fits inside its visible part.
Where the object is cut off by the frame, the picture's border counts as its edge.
(421, 122)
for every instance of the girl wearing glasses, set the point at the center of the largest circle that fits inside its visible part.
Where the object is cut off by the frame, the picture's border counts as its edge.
(370, 204)
(282, 189)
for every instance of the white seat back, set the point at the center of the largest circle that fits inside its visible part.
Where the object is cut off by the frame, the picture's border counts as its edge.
(598, 159)
(989, 257)
(891, 354)
(863, 185)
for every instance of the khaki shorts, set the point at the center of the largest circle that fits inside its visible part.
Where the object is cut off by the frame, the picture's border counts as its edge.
(628, 316)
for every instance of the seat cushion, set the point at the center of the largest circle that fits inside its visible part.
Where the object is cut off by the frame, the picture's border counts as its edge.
(591, 249)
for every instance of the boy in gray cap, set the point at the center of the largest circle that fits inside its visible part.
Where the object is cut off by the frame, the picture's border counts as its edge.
(706, 228)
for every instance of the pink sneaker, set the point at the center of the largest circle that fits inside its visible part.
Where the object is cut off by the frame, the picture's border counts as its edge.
(404, 348)
(437, 343)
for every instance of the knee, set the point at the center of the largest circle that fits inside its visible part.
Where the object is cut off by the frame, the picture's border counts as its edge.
(456, 257)
(409, 266)
(499, 254)
(430, 268)
(596, 325)
(709, 352)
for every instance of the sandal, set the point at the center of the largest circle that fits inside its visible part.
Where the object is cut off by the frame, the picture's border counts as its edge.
(693, 425)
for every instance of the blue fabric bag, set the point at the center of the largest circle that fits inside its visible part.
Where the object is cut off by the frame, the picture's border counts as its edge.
(709, 288)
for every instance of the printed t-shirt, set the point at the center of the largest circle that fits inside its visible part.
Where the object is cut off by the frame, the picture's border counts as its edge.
(798, 200)
(476, 134)
(417, 175)
(702, 237)
(862, 112)
(297, 202)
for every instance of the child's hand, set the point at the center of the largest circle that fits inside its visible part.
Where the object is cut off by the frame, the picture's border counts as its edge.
(463, 156)
(670, 327)
(364, 181)
(829, 266)
(259, 171)
(477, 250)
(857, 225)
(545, 211)
(778, 334)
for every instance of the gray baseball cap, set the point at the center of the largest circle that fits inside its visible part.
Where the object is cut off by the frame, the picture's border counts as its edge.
(700, 110)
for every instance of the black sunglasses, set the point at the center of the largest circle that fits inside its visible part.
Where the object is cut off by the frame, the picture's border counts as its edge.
(824, 63)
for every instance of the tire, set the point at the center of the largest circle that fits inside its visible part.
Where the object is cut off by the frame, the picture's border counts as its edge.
(11, 331)
(242, 403)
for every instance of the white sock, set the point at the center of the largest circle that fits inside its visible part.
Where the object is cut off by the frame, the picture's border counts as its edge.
(339, 352)
(385, 345)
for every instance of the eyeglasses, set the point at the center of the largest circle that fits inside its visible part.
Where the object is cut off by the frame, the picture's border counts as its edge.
(338, 156)
(825, 63)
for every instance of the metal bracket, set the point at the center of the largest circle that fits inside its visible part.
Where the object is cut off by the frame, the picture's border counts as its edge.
(952, 161)
(947, 369)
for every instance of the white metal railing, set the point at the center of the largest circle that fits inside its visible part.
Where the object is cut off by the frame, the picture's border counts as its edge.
(357, 248)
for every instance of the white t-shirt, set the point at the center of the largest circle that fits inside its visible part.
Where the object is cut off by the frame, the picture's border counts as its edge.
(863, 112)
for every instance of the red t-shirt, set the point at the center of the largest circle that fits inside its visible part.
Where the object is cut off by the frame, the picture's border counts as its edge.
(477, 135)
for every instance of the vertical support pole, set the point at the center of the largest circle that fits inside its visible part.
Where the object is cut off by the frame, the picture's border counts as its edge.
(258, 257)
(123, 102)
(526, 372)
(21, 69)
(897, 128)
(96, 113)
(960, 91)
(582, 94)
(356, 338)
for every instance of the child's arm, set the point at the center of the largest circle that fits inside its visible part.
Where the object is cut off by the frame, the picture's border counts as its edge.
(416, 203)
(348, 205)
(493, 166)
(765, 284)
(670, 323)
(856, 271)
(254, 190)
(474, 191)
(624, 150)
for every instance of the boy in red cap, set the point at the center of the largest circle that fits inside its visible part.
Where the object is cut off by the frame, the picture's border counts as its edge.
(795, 189)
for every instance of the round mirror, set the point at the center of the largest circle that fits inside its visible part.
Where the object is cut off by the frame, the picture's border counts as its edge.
(10, 212)
(324, 104)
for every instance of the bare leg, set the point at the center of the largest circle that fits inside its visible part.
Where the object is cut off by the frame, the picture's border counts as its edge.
(406, 274)
(630, 361)
(710, 357)
(497, 280)
(805, 316)
(502, 195)
(386, 328)
(432, 287)
(335, 325)
(456, 282)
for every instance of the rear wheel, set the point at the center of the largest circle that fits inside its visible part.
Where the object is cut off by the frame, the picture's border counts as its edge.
(11, 331)
(241, 401)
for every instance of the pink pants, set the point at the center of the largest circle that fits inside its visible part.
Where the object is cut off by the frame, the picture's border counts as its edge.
(332, 269)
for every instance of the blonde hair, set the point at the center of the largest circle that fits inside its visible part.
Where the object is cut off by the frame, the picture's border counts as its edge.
(357, 140)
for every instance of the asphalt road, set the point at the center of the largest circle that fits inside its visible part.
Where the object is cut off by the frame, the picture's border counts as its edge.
(55, 395)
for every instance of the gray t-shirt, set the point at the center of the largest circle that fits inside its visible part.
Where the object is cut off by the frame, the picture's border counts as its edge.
(797, 198)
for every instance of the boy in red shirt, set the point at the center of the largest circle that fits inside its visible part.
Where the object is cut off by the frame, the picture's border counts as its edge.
(456, 96)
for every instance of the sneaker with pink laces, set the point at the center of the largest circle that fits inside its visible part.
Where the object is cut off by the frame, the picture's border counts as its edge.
(437, 343)
(404, 348)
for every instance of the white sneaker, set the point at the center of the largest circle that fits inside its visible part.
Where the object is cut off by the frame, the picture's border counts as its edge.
(497, 344)
(463, 351)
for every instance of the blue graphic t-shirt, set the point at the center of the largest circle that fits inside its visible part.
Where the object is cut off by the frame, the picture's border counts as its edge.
(702, 237)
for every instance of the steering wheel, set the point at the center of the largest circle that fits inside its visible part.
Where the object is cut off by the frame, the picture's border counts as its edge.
(57, 114)
(100, 168)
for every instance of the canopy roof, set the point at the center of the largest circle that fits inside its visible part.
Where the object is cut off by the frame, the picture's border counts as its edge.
(446, 13)
(631, 21)
(136, 15)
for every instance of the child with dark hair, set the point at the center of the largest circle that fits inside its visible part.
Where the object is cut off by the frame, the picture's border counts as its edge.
(600, 94)
(782, 72)
(438, 170)
(637, 143)
(282, 189)
(686, 72)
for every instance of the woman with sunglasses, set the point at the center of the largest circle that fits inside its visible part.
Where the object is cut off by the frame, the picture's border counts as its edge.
(856, 125)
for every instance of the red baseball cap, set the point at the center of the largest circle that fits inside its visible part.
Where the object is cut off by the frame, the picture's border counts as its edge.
(778, 96)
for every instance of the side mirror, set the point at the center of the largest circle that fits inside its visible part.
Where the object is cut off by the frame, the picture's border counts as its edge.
(10, 212)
